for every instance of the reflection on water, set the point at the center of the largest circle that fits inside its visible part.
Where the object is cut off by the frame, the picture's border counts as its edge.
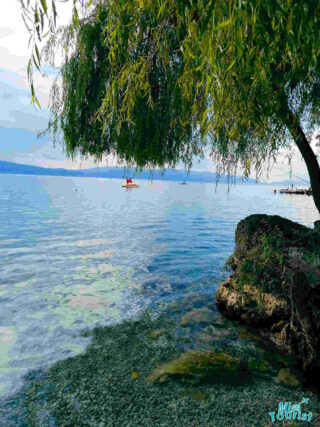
(71, 260)
(303, 207)
(90, 242)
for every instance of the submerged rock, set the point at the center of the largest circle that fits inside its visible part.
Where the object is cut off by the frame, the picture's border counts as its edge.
(198, 396)
(275, 285)
(286, 377)
(202, 315)
(212, 333)
(135, 375)
(207, 366)
(258, 365)
(157, 333)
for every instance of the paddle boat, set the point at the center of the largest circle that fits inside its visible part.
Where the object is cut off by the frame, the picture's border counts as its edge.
(130, 186)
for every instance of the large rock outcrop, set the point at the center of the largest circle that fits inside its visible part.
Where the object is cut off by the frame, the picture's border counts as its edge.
(275, 285)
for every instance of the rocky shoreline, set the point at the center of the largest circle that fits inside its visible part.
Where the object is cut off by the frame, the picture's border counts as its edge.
(275, 286)
(184, 365)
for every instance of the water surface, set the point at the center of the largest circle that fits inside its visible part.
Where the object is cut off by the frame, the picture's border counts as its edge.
(80, 252)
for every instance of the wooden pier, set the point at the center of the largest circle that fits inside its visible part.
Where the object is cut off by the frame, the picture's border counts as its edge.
(303, 191)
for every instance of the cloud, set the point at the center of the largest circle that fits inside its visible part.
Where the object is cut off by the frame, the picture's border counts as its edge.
(15, 75)
(10, 77)
(18, 140)
(6, 95)
(25, 120)
(15, 109)
(5, 32)
(21, 146)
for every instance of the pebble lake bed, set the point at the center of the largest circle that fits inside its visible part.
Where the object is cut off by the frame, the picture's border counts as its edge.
(108, 307)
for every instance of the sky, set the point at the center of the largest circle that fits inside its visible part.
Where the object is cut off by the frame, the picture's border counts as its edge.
(20, 122)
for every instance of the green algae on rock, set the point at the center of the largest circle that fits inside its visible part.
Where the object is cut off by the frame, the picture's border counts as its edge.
(156, 334)
(195, 394)
(207, 365)
(286, 377)
(258, 365)
(202, 315)
(211, 333)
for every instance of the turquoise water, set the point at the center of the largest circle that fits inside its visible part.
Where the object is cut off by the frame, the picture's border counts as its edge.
(80, 252)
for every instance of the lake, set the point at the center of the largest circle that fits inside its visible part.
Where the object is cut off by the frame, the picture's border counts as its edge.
(76, 253)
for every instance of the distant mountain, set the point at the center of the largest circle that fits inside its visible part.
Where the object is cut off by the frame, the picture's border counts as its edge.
(116, 172)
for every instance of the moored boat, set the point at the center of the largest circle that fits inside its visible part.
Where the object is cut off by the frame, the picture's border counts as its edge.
(306, 191)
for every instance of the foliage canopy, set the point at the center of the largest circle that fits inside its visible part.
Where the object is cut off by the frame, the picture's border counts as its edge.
(123, 100)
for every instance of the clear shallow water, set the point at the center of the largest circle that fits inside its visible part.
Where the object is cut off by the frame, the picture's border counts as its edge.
(80, 252)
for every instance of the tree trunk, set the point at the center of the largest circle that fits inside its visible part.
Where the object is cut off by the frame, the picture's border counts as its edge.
(294, 127)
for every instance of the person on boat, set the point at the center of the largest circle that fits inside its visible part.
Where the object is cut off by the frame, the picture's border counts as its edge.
(129, 181)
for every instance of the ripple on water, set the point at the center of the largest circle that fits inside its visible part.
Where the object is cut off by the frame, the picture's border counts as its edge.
(56, 317)
(91, 242)
(8, 336)
(72, 262)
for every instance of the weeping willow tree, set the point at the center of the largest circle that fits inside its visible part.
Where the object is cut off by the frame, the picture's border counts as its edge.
(153, 81)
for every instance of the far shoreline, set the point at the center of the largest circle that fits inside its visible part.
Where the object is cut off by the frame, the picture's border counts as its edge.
(275, 184)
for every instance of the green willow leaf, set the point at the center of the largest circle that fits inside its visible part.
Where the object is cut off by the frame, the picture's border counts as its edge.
(44, 6)
(37, 53)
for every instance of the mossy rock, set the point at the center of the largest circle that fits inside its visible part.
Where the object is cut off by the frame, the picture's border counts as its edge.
(198, 396)
(249, 305)
(283, 360)
(195, 394)
(287, 378)
(197, 316)
(209, 336)
(156, 334)
(245, 334)
(203, 366)
(258, 365)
